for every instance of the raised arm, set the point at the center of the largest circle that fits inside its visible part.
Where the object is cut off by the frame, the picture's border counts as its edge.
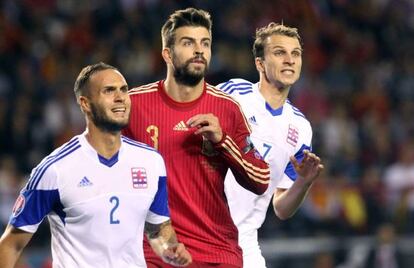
(163, 241)
(248, 167)
(12, 243)
(287, 201)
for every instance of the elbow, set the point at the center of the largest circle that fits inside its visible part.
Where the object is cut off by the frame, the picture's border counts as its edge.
(260, 189)
(282, 216)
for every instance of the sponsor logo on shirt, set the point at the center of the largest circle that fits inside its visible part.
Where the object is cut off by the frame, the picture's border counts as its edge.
(252, 120)
(19, 205)
(293, 135)
(139, 178)
(181, 126)
(85, 182)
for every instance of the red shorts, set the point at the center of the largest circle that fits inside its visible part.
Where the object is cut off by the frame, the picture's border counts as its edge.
(158, 263)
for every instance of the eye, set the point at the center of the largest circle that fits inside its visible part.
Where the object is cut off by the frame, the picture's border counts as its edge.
(296, 53)
(206, 44)
(108, 90)
(279, 52)
(187, 43)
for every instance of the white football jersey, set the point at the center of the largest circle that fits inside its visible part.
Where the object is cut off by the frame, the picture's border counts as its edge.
(96, 207)
(277, 134)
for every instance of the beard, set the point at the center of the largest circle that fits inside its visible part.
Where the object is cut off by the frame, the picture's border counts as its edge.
(183, 75)
(103, 122)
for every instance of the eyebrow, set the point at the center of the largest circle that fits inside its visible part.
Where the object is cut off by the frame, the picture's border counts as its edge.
(114, 87)
(193, 39)
(277, 46)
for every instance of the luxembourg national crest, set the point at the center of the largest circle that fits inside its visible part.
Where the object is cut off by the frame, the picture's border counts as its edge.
(293, 135)
(18, 205)
(139, 178)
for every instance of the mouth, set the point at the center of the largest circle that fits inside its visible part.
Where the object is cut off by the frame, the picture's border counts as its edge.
(288, 71)
(119, 110)
(199, 61)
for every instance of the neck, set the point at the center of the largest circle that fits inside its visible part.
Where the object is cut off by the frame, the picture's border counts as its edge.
(274, 96)
(180, 92)
(106, 144)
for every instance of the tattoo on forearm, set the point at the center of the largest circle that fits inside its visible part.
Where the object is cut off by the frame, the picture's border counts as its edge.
(164, 229)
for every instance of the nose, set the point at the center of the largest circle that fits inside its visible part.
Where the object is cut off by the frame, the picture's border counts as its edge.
(120, 95)
(289, 59)
(198, 50)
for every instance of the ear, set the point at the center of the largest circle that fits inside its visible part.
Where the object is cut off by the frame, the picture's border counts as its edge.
(166, 55)
(84, 104)
(259, 64)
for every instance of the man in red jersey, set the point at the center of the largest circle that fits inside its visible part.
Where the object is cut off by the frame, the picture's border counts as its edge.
(201, 133)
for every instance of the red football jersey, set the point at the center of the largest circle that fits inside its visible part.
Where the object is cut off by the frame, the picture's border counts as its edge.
(196, 168)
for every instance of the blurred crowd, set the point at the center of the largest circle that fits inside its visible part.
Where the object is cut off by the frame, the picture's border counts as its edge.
(356, 88)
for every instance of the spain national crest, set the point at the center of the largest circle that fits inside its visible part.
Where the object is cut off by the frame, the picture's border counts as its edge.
(139, 178)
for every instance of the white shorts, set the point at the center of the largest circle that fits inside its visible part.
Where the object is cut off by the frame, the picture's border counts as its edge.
(252, 255)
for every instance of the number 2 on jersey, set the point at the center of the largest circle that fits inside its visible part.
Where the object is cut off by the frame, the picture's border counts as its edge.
(115, 200)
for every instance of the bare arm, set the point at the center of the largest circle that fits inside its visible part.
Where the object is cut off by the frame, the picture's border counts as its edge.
(287, 202)
(163, 241)
(12, 243)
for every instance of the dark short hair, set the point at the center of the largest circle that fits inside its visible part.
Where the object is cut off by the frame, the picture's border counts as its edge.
(269, 30)
(84, 76)
(181, 18)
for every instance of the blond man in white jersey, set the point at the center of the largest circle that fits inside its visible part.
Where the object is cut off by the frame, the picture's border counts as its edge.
(280, 132)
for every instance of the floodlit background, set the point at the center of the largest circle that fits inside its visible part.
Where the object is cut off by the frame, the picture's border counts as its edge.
(356, 88)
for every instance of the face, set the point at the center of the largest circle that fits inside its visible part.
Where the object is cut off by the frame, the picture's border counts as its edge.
(191, 54)
(109, 101)
(282, 60)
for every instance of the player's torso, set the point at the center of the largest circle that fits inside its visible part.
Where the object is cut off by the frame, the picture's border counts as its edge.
(195, 171)
(104, 209)
(276, 134)
(164, 127)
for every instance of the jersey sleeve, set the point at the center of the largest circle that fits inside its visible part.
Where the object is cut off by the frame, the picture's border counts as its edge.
(236, 86)
(247, 165)
(159, 211)
(37, 199)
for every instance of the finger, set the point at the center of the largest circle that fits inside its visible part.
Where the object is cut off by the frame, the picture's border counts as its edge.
(205, 129)
(199, 119)
(294, 161)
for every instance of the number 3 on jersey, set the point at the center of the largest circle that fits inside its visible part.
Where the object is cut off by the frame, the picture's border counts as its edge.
(115, 201)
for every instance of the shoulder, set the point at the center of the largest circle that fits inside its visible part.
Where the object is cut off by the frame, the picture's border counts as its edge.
(300, 119)
(152, 87)
(45, 168)
(140, 147)
(225, 99)
(236, 86)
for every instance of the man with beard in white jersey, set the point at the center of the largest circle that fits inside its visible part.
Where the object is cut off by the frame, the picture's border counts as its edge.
(100, 191)
(280, 132)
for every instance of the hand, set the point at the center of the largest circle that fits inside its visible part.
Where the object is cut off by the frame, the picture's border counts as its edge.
(309, 168)
(176, 254)
(207, 125)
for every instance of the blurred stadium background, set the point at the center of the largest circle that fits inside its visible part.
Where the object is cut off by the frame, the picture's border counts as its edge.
(357, 89)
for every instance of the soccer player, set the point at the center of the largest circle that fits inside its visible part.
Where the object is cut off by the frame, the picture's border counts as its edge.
(100, 190)
(280, 132)
(201, 133)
